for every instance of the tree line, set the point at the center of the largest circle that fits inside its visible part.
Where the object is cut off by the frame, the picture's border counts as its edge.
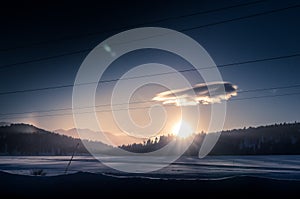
(277, 139)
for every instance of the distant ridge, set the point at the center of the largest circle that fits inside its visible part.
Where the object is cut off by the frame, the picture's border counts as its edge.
(117, 139)
(26, 139)
(21, 128)
(276, 139)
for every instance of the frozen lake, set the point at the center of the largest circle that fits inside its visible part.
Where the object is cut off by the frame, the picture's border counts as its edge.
(210, 168)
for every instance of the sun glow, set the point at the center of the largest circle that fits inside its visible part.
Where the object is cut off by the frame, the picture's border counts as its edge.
(182, 129)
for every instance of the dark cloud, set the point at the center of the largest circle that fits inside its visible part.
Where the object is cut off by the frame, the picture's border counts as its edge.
(209, 93)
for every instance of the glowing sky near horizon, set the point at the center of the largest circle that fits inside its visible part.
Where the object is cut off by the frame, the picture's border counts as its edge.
(254, 38)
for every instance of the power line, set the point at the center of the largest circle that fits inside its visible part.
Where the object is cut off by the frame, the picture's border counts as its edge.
(136, 108)
(270, 88)
(79, 108)
(226, 21)
(151, 75)
(86, 112)
(265, 96)
(45, 58)
(132, 26)
(5, 66)
(143, 101)
(243, 17)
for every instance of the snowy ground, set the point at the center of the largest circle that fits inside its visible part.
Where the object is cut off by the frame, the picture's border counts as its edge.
(211, 168)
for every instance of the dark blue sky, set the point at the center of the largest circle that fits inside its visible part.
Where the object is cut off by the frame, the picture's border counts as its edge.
(67, 27)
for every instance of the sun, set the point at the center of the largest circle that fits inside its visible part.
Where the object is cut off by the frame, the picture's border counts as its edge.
(182, 129)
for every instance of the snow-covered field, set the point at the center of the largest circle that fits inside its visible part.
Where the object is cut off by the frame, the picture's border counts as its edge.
(213, 167)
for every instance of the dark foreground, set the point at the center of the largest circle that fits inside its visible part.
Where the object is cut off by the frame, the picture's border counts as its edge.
(87, 184)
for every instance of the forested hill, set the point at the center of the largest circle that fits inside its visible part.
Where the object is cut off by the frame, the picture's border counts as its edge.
(280, 139)
(277, 139)
(24, 139)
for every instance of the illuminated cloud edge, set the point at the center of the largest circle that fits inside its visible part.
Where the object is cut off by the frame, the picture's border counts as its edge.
(203, 93)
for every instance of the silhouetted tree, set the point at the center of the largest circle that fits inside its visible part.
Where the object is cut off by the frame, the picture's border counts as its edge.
(280, 138)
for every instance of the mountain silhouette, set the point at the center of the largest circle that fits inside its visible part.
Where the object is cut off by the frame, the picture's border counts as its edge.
(279, 139)
(25, 139)
(115, 139)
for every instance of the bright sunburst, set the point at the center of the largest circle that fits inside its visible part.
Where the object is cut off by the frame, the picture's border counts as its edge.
(182, 129)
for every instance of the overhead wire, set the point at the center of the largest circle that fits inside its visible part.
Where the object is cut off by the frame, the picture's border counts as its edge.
(143, 107)
(51, 41)
(5, 66)
(151, 75)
